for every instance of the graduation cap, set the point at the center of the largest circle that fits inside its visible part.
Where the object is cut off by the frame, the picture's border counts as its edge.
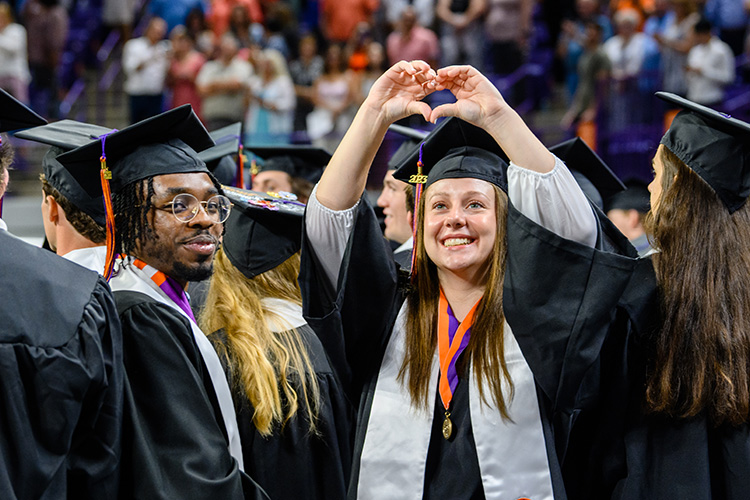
(219, 158)
(262, 230)
(455, 149)
(15, 115)
(635, 197)
(63, 136)
(297, 161)
(414, 138)
(160, 145)
(714, 145)
(594, 177)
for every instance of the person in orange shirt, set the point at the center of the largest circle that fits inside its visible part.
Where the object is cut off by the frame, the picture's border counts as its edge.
(221, 10)
(340, 17)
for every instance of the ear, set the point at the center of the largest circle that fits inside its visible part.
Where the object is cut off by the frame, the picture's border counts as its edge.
(54, 209)
(410, 218)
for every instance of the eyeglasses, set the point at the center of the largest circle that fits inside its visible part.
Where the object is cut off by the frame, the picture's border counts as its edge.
(185, 207)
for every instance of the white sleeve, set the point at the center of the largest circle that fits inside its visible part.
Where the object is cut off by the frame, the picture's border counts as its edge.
(553, 200)
(328, 232)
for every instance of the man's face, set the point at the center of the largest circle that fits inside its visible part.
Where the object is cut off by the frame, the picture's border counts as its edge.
(393, 201)
(182, 250)
(273, 181)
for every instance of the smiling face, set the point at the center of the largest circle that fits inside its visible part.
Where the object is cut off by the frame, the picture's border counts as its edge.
(182, 250)
(460, 226)
(393, 201)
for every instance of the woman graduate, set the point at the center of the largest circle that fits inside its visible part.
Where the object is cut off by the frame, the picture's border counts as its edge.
(447, 405)
(294, 421)
(646, 361)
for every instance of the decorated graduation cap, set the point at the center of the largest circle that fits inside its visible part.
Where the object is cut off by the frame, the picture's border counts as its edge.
(306, 162)
(262, 230)
(714, 145)
(14, 115)
(63, 136)
(219, 158)
(413, 139)
(160, 145)
(635, 197)
(594, 177)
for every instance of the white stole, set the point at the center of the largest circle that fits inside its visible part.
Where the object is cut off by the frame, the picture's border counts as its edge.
(512, 456)
(130, 278)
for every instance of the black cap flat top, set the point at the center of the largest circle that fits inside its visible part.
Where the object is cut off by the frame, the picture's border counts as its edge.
(307, 162)
(15, 115)
(227, 141)
(714, 145)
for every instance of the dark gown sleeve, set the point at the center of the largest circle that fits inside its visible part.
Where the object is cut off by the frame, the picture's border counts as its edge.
(353, 322)
(60, 403)
(174, 446)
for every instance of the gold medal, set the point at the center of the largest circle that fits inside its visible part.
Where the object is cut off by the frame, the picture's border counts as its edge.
(447, 426)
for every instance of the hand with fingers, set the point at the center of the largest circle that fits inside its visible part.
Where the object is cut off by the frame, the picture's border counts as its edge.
(477, 100)
(398, 93)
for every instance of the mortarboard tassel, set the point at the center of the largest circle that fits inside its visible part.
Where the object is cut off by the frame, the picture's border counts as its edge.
(418, 180)
(105, 175)
(241, 167)
(253, 171)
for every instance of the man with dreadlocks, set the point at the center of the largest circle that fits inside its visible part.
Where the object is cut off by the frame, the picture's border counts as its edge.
(168, 212)
(60, 365)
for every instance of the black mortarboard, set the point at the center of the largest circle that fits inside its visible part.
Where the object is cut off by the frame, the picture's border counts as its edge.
(15, 115)
(414, 138)
(599, 182)
(63, 136)
(306, 162)
(635, 197)
(262, 231)
(163, 144)
(714, 145)
(227, 141)
(457, 149)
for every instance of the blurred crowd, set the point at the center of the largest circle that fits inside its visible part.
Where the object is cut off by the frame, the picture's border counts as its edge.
(294, 71)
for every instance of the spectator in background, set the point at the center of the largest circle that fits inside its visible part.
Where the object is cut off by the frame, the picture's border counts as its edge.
(198, 30)
(119, 15)
(340, 17)
(270, 115)
(593, 69)
(185, 64)
(175, 12)
(424, 9)
(47, 25)
(710, 66)
(280, 29)
(376, 66)
(223, 84)
(461, 31)
(730, 18)
(411, 41)
(507, 27)
(221, 11)
(304, 71)
(240, 25)
(628, 48)
(145, 61)
(573, 34)
(14, 65)
(333, 96)
(675, 38)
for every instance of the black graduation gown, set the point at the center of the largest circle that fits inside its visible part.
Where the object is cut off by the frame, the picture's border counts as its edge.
(599, 311)
(60, 377)
(175, 443)
(292, 463)
(355, 324)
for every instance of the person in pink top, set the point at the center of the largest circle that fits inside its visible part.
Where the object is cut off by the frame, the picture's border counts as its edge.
(185, 63)
(410, 41)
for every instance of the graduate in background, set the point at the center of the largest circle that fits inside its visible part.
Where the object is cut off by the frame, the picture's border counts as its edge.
(644, 361)
(294, 420)
(61, 372)
(74, 221)
(289, 169)
(628, 211)
(448, 405)
(179, 425)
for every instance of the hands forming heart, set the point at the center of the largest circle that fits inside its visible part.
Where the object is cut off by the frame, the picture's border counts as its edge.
(400, 91)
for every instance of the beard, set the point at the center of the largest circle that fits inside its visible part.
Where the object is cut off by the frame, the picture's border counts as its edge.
(159, 253)
(203, 271)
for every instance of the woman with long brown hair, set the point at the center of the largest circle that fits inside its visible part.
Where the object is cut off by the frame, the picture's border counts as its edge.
(294, 421)
(447, 405)
(657, 351)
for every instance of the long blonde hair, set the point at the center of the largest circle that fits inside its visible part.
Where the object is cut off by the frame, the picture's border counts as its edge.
(265, 365)
(486, 347)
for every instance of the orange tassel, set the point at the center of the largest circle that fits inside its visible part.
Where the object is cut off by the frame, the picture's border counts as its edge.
(241, 168)
(105, 175)
(419, 180)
